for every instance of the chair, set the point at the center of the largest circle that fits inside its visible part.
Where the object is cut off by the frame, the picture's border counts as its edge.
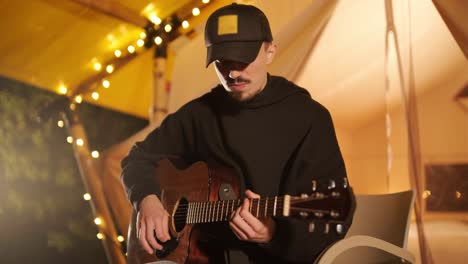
(379, 232)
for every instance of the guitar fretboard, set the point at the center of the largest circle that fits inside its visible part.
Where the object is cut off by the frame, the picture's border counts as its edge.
(215, 211)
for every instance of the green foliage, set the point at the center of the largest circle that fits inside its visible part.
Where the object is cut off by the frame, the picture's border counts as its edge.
(41, 204)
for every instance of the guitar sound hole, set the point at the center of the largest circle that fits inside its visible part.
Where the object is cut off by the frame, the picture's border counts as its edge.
(180, 215)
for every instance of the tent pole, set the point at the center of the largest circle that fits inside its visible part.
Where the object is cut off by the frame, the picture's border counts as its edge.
(158, 108)
(93, 186)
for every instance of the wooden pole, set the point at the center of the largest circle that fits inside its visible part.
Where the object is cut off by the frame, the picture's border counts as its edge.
(158, 108)
(93, 186)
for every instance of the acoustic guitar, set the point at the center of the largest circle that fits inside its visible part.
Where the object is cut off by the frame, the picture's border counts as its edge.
(202, 195)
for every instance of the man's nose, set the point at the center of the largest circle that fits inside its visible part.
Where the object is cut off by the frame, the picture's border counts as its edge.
(233, 74)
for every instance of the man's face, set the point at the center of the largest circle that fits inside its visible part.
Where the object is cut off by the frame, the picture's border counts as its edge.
(243, 81)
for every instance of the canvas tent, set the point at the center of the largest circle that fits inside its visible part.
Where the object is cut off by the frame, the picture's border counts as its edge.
(335, 49)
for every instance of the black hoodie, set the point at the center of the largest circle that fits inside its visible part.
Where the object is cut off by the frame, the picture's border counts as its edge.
(278, 142)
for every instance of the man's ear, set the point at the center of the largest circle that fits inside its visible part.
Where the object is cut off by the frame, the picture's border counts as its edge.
(271, 52)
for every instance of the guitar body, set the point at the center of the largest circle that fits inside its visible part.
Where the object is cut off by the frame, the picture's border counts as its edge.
(197, 183)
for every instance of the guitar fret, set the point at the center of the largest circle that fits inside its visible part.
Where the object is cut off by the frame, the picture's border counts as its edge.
(210, 212)
(258, 206)
(221, 214)
(274, 206)
(266, 206)
(188, 214)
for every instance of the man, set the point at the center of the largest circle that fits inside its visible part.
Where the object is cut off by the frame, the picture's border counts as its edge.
(269, 130)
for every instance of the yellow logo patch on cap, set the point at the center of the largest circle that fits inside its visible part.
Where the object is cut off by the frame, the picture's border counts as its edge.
(227, 24)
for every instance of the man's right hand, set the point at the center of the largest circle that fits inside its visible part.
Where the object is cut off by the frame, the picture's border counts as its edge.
(152, 218)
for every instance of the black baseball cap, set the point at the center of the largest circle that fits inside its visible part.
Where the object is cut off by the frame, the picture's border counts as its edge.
(236, 32)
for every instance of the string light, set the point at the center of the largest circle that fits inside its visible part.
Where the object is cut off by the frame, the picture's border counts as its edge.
(196, 11)
(120, 238)
(105, 83)
(87, 196)
(62, 89)
(117, 53)
(100, 236)
(78, 99)
(95, 95)
(70, 139)
(205, 1)
(168, 28)
(60, 123)
(155, 19)
(80, 142)
(97, 66)
(426, 194)
(131, 49)
(185, 24)
(110, 68)
(140, 43)
(142, 35)
(95, 154)
(158, 40)
(72, 106)
(98, 221)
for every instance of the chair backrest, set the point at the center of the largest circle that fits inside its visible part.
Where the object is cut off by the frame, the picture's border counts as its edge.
(383, 216)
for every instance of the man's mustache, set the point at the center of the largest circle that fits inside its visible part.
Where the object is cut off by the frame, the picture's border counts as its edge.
(236, 81)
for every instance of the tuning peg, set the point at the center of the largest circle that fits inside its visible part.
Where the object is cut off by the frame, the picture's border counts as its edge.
(314, 185)
(331, 184)
(304, 214)
(327, 229)
(318, 214)
(339, 229)
(304, 195)
(334, 214)
(345, 183)
(335, 194)
(311, 227)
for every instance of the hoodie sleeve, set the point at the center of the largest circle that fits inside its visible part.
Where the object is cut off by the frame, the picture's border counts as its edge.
(318, 158)
(138, 167)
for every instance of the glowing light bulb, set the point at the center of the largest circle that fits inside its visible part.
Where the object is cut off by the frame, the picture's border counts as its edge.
(95, 154)
(70, 139)
(87, 196)
(110, 68)
(60, 123)
(196, 11)
(143, 35)
(155, 19)
(117, 53)
(168, 28)
(78, 99)
(158, 40)
(100, 236)
(95, 95)
(140, 43)
(185, 24)
(97, 221)
(62, 89)
(120, 238)
(72, 106)
(105, 83)
(97, 66)
(205, 1)
(131, 49)
(80, 142)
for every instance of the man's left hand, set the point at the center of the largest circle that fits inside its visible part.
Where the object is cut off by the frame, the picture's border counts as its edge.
(249, 228)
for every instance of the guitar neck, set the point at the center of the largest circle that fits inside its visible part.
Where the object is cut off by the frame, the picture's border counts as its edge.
(216, 211)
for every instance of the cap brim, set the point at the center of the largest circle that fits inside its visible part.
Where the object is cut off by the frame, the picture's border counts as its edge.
(241, 51)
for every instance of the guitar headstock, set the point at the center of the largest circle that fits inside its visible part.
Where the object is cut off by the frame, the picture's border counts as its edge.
(329, 203)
